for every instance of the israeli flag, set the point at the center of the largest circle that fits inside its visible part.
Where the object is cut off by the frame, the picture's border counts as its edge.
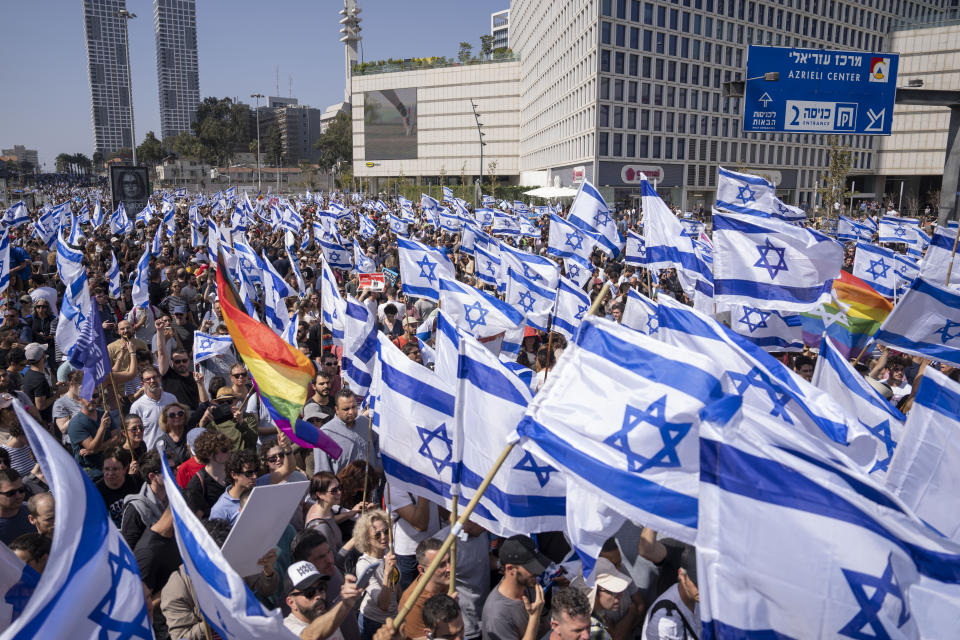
(169, 221)
(526, 495)
(208, 345)
(333, 307)
(430, 209)
(566, 240)
(4, 259)
(91, 587)
(397, 225)
(787, 212)
(744, 193)
(367, 228)
(636, 249)
(534, 301)
(542, 271)
(269, 273)
(213, 241)
(16, 215)
(141, 294)
(505, 224)
(364, 264)
(916, 249)
(449, 221)
(230, 193)
(289, 334)
(359, 344)
(897, 229)
(416, 413)
(227, 603)
(145, 216)
(590, 212)
(668, 246)
(248, 261)
(336, 255)
(577, 270)
(939, 260)
(803, 411)
(120, 223)
(906, 269)
(631, 452)
(76, 234)
(926, 323)
(275, 314)
(527, 228)
(477, 312)
(421, 268)
(484, 216)
(835, 375)
(447, 194)
(295, 267)
(768, 329)
(925, 470)
(772, 264)
(17, 583)
(640, 313)
(878, 572)
(468, 237)
(487, 265)
(572, 304)
(849, 230)
(875, 265)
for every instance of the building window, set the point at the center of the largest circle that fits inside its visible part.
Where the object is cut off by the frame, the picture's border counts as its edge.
(645, 93)
(631, 145)
(646, 66)
(604, 33)
(632, 92)
(604, 60)
(618, 58)
(618, 117)
(635, 10)
(604, 116)
(658, 73)
(644, 147)
(602, 139)
(621, 35)
(618, 90)
(680, 148)
(631, 118)
(634, 38)
(605, 7)
(656, 146)
(633, 64)
(645, 119)
(647, 40)
(647, 13)
(668, 148)
(618, 144)
(604, 88)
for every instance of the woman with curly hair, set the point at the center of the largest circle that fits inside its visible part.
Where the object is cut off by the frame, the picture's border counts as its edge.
(371, 538)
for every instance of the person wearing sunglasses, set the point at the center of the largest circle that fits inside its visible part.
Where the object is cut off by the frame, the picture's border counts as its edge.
(177, 378)
(14, 516)
(307, 600)
(173, 427)
(242, 469)
(371, 538)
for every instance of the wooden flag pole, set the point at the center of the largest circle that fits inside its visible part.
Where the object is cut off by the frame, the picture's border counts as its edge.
(953, 255)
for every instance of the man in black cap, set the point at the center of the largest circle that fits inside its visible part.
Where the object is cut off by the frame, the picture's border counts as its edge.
(512, 610)
(676, 614)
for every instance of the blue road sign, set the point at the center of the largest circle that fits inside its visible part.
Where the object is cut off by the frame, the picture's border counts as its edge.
(819, 91)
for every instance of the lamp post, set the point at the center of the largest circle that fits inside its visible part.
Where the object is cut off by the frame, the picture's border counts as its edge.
(258, 96)
(126, 16)
(480, 134)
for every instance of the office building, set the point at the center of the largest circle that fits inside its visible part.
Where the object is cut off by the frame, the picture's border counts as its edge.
(300, 127)
(500, 28)
(106, 38)
(21, 154)
(178, 77)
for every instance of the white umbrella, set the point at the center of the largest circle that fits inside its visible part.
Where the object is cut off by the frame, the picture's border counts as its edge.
(551, 192)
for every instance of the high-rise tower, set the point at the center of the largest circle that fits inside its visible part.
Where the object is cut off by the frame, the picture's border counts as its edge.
(350, 37)
(106, 37)
(178, 78)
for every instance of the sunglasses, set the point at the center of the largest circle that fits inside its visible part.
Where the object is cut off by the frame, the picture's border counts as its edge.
(13, 492)
(150, 379)
(176, 414)
(276, 457)
(380, 534)
(239, 375)
(310, 592)
(180, 360)
(135, 429)
(336, 489)
(250, 473)
(41, 306)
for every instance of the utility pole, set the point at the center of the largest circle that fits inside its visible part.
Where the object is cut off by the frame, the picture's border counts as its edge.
(480, 134)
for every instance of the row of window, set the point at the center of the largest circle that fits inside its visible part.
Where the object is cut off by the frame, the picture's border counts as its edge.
(666, 96)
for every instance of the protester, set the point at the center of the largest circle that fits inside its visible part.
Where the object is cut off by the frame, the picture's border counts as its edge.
(144, 508)
(116, 483)
(41, 513)
(439, 583)
(380, 597)
(512, 610)
(14, 517)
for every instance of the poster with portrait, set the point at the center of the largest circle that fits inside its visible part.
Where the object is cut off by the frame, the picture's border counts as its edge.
(131, 186)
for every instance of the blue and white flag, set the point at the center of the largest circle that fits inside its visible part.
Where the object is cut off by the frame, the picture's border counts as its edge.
(505, 224)
(98, 215)
(577, 270)
(484, 216)
(636, 249)
(359, 344)
(668, 246)
(744, 193)
(90, 587)
(925, 322)
(230, 193)
(468, 237)
(527, 228)
(169, 221)
(336, 255)
(415, 409)
(363, 263)
(119, 221)
(477, 312)
(367, 228)
(768, 329)
(227, 603)
(76, 234)
(270, 274)
(525, 496)
(772, 264)
(18, 581)
(449, 221)
(397, 225)
(907, 269)
(787, 212)
(16, 215)
(447, 194)
(916, 249)
(333, 307)
(803, 411)
(430, 209)
(566, 240)
(618, 417)
(542, 271)
(939, 260)
(421, 268)
(897, 229)
(849, 229)
(640, 313)
(875, 265)
(290, 331)
(141, 294)
(590, 213)
(295, 267)
(208, 345)
(275, 314)
(90, 353)
(835, 375)
(487, 265)
(572, 304)
(534, 301)
(4, 259)
(925, 470)
(878, 571)
(113, 277)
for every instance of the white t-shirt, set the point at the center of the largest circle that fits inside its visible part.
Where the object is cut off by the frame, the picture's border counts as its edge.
(405, 537)
(667, 625)
(149, 410)
(401, 310)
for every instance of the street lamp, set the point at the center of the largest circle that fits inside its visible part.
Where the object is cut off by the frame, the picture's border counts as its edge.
(126, 16)
(480, 134)
(258, 96)
(736, 88)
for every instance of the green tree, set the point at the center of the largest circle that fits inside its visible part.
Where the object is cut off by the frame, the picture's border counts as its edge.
(486, 45)
(833, 182)
(186, 145)
(98, 160)
(222, 128)
(273, 145)
(63, 162)
(151, 152)
(336, 143)
(465, 53)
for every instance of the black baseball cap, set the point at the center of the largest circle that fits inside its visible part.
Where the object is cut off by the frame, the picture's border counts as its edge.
(522, 551)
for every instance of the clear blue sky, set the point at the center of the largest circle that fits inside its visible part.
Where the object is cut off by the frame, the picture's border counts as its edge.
(46, 98)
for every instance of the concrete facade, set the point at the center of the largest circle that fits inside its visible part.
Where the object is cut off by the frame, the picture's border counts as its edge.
(178, 75)
(106, 37)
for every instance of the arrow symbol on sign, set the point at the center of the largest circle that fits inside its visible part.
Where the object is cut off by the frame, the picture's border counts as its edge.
(765, 99)
(876, 120)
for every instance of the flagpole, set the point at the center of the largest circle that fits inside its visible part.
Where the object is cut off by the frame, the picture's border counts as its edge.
(453, 547)
(448, 541)
(366, 470)
(953, 255)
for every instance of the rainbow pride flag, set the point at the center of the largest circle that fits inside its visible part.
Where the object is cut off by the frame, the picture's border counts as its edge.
(855, 320)
(281, 374)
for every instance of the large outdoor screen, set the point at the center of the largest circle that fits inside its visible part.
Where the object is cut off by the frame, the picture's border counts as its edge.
(390, 124)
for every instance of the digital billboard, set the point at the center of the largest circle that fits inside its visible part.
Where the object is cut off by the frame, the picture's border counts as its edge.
(390, 124)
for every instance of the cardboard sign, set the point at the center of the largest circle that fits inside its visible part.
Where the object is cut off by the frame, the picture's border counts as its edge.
(261, 523)
(375, 281)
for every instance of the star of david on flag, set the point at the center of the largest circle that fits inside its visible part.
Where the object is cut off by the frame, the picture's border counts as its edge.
(477, 312)
(875, 265)
(208, 345)
(421, 268)
(770, 330)
(589, 212)
(640, 313)
(535, 302)
(572, 303)
(925, 323)
(566, 240)
(897, 229)
(745, 193)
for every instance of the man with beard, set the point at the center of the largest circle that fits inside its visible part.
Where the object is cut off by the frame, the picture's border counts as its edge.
(307, 602)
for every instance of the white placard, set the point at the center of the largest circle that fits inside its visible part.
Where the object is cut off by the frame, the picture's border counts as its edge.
(261, 523)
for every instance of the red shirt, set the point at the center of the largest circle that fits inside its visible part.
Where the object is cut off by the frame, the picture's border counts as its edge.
(187, 470)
